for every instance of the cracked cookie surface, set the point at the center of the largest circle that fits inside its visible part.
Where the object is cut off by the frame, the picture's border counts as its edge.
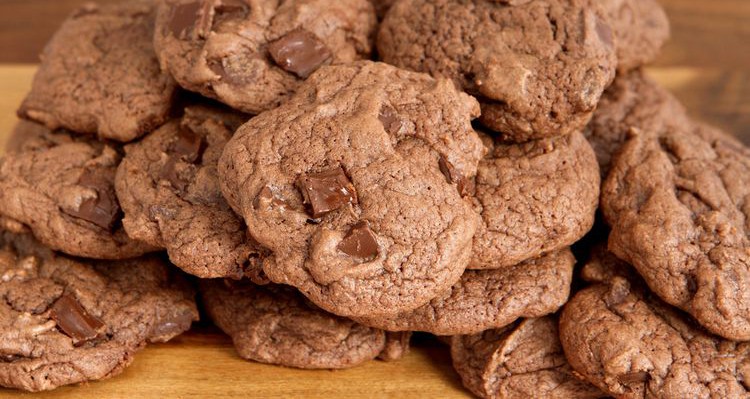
(65, 321)
(168, 187)
(253, 54)
(354, 186)
(538, 68)
(62, 186)
(99, 74)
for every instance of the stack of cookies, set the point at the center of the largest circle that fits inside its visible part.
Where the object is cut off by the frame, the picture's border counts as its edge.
(331, 175)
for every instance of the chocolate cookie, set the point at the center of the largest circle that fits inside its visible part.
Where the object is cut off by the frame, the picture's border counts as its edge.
(534, 198)
(485, 299)
(538, 68)
(65, 321)
(640, 27)
(275, 324)
(99, 74)
(676, 201)
(634, 102)
(62, 186)
(523, 360)
(354, 186)
(632, 345)
(168, 186)
(252, 54)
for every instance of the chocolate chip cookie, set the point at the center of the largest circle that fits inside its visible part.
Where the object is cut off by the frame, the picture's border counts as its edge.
(65, 321)
(485, 299)
(62, 186)
(252, 54)
(677, 204)
(168, 187)
(640, 27)
(632, 345)
(354, 185)
(99, 74)
(538, 68)
(533, 198)
(634, 102)
(523, 360)
(277, 325)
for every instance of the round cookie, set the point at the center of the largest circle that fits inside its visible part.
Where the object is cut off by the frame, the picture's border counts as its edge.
(538, 68)
(533, 198)
(62, 186)
(640, 27)
(354, 186)
(253, 54)
(485, 299)
(168, 188)
(523, 360)
(99, 74)
(65, 321)
(631, 345)
(677, 204)
(275, 324)
(634, 102)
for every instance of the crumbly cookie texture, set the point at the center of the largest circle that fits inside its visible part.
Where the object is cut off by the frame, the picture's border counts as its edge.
(486, 299)
(354, 185)
(676, 201)
(62, 186)
(253, 54)
(634, 102)
(100, 75)
(168, 187)
(538, 68)
(277, 325)
(632, 345)
(640, 28)
(522, 360)
(533, 198)
(66, 321)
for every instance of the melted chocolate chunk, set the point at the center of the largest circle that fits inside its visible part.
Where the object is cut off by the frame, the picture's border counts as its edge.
(453, 175)
(103, 210)
(170, 174)
(360, 243)
(184, 18)
(267, 195)
(390, 120)
(636, 377)
(327, 191)
(229, 10)
(189, 146)
(299, 52)
(73, 320)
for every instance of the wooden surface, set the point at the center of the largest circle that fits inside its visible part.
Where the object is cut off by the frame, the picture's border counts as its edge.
(707, 65)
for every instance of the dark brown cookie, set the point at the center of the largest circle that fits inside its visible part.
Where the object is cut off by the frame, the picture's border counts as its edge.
(523, 360)
(168, 187)
(632, 345)
(62, 186)
(277, 325)
(64, 321)
(538, 68)
(99, 74)
(534, 198)
(354, 186)
(485, 299)
(677, 204)
(253, 54)
(634, 102)
(640, 28)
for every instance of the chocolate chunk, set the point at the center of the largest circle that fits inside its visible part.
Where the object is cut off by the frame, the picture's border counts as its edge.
(267, 195)
(327, 191)
(605, 32)
(360, 243)
(73, 320)
(170, 174)
(229, 10)
(184, 17)
(188, 146)
(453, 175)
(299, 52)
(636, 377)
(390, 119)
(103, 210)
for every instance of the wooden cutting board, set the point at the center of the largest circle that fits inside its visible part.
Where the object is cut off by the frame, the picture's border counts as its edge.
(707, 65)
